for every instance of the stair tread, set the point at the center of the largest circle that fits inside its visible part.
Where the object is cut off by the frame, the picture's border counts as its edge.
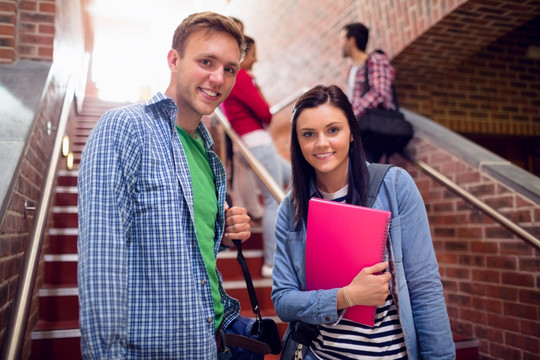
(43, 325)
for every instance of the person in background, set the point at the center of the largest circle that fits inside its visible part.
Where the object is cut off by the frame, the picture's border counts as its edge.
(353, 41)
(328, 162)
(152, 211)
(244, 184)
(249, 114)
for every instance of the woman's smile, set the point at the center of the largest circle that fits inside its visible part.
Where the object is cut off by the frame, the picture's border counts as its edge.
(324, 137)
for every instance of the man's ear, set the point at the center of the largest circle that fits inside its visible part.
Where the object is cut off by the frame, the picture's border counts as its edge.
(172, 59)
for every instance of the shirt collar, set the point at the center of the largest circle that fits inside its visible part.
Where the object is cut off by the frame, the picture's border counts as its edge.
(160, 99)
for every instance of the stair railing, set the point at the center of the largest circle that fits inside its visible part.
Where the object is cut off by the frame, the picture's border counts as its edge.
(16, 329)
(510, 225)
(287, 101)
(253, 162)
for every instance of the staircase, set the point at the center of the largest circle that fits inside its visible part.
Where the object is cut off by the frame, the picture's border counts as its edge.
(57, 335)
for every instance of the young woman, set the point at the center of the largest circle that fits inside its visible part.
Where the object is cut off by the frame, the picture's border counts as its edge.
(249, 115)
(328, 162)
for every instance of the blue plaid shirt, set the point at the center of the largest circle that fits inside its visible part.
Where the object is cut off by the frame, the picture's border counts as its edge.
(144, 292)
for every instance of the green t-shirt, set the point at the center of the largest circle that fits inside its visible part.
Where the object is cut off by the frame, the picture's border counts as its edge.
(205, 210)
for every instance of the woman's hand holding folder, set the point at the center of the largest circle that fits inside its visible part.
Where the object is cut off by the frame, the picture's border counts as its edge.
(371, 285)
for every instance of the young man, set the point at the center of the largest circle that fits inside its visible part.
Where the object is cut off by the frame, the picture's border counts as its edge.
(353, 41)
(152, 212)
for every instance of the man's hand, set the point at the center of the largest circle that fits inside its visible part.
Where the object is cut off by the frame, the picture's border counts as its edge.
(236, 225)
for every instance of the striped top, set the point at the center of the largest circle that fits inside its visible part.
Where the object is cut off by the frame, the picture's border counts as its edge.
(351, 340)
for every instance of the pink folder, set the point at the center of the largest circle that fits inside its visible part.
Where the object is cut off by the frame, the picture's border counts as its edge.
(341, 240)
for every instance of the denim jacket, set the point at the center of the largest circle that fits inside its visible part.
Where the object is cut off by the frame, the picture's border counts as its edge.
(415, 286)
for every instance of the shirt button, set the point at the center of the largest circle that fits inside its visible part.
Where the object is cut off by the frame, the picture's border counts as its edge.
(203, 282)
(209, 320)
(327, 318)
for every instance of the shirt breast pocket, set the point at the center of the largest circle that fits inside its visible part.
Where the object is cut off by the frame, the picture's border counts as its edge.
(157, 187)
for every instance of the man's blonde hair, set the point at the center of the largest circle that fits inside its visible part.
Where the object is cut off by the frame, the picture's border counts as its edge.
(210, 21)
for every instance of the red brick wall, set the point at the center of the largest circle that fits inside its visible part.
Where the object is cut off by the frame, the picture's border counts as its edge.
(36, 28)
(491, 277)
(27, 29)
(297, 41)
(492, 97)
(495, 92)
(8, 23)
(15, 229)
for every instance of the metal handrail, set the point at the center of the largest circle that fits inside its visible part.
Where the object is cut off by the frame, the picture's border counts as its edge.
(516, 229)
(253, 162)
(287, 101)
(16, 329)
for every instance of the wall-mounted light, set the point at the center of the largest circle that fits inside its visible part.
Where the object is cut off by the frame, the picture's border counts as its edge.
(65, 146)
(69, 161)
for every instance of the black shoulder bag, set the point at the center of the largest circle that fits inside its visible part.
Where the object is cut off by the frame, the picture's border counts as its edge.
(300, 335)
(383, 131)
(257, 337)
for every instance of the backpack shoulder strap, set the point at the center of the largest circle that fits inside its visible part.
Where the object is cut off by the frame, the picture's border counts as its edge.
(376, 176)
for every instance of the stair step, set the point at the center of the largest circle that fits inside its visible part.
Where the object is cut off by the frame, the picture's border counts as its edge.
(65, 216)
(67, 178)
(60, 269)
(57, 329)
(237, 290)
(66, 196)
(255, 242)
(56, 344)
(63, 241)
(61, 304)
(230, 269)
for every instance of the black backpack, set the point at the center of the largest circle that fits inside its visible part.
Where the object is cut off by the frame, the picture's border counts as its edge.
(384, 132)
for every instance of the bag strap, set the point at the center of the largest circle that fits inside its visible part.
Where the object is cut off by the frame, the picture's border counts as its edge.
(249, 283)
(376, 177)
(247, 276)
